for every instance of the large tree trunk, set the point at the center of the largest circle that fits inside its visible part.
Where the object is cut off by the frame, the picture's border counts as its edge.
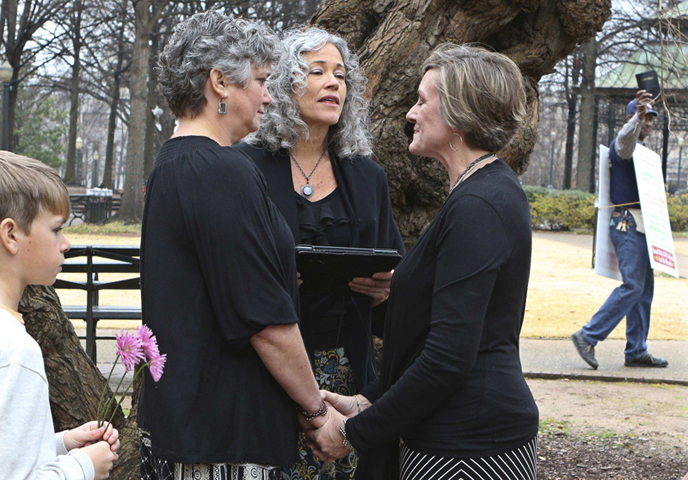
(75, 382)
(586, 140)
(131, 210)
(394, 37)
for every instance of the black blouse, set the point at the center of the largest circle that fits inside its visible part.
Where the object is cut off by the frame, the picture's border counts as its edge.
(362, 186)
(217, 267)
(451, 375)
(324, 222)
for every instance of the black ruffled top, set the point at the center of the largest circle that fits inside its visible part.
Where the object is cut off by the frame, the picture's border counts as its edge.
(324, 222)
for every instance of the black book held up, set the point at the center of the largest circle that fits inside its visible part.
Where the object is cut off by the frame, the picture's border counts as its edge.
(649, 82)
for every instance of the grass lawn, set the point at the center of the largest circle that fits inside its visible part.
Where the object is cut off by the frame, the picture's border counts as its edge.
(564, 290)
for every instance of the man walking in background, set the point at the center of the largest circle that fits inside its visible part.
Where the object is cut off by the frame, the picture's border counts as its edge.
(633, 298)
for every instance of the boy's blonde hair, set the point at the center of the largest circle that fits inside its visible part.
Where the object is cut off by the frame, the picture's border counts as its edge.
(29, 187)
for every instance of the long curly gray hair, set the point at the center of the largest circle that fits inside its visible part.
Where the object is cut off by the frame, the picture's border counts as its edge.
(282, 126)
(211, 40)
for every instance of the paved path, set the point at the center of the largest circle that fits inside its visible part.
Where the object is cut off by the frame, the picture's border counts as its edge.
(557, 358)
(546, 358)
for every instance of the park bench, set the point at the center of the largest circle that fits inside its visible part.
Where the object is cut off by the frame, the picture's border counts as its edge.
(93, 260)
(92, 208)
(79, 206)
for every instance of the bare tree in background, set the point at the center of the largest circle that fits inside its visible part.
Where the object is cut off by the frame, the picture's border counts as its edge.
(19, 22)
(632, 26)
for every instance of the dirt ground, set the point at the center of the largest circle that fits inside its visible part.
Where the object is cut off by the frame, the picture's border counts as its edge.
(610, 431)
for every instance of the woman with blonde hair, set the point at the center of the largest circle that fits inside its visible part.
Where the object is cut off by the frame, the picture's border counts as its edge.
(452, 397)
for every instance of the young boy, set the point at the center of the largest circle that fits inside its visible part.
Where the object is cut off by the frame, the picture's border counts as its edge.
(34, 205)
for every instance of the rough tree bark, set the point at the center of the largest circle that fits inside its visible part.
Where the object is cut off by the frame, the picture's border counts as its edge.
(152, 99)
(147, 14)
(394, 37)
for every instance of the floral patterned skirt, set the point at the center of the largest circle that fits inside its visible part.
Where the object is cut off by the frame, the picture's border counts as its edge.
(333, 373)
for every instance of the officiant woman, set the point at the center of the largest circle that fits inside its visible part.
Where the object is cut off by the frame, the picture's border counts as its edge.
(314, 149)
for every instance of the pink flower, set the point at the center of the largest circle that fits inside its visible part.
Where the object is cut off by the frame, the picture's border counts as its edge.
(157, 365)
(148, 342)
(129, 349)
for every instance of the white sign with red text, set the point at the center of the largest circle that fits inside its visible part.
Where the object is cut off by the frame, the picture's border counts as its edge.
(660, 243)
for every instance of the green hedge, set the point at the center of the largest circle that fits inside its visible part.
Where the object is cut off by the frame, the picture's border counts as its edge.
(678, 212)
(570, 209)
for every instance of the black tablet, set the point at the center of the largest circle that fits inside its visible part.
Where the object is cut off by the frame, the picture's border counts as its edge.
(328, 270)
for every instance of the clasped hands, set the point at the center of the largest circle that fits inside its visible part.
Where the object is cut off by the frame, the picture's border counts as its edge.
(322, 433)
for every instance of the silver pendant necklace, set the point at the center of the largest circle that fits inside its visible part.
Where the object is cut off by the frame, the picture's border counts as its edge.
(474, 164)
(307, 190)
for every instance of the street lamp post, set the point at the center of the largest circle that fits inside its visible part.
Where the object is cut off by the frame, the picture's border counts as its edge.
(94, 178)
(6, 72)
(680, 151)
(552, 136)
(79, 145)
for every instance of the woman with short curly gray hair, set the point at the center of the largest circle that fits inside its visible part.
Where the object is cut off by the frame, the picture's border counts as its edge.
(312, 146)
(218, 273)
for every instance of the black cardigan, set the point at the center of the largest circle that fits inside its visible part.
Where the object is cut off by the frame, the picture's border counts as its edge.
(365, 193)
(451, 375)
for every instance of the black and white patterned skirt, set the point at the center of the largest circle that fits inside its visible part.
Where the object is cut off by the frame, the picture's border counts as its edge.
(518, 464)
(154, 468)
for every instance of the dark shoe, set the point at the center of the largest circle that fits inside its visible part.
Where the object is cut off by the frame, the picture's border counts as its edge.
(646, 360)
(585, 349)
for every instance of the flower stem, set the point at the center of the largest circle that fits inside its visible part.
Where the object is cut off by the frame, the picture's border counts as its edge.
(106, 407)
(102, 394)
(147, 364)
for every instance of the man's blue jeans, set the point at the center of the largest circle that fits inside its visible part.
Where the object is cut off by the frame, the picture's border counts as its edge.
(633, 298)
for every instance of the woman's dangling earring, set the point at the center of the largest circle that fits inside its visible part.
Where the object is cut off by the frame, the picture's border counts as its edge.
(450, 144)
(223, 107)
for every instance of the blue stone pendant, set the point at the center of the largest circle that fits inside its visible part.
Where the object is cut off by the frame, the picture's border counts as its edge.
(307, 191)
